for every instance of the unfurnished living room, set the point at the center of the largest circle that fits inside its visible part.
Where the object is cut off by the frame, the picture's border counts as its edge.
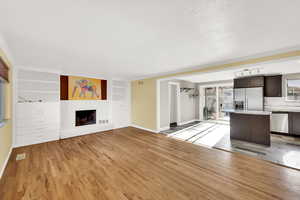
(149, 100)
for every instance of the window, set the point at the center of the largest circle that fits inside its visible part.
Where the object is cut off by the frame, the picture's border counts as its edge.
(2, 100)
(3, 79)
(293, 89)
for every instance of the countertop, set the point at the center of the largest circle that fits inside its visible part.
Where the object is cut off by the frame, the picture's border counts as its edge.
(278, 109)
(249, 112)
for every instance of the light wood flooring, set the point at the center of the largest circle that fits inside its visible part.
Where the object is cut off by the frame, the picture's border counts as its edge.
(132, 164)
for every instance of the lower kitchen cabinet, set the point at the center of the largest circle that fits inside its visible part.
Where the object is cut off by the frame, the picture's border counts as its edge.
(250, 128)
(294, 123)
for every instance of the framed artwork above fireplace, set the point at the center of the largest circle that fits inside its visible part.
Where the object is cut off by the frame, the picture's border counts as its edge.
(82, 88)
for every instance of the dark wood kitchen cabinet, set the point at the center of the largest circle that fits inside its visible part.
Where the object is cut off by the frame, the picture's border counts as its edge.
(250, 128)
(249, 82)
(294, 123)
(273, 86)
(238, 122)
(240, 83)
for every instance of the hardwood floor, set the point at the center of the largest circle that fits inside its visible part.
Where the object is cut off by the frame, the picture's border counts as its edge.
(133, 164)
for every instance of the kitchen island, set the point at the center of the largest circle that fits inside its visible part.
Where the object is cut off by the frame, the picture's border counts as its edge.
(250, 126)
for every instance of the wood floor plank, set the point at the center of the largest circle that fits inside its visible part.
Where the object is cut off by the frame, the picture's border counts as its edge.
(134, 164)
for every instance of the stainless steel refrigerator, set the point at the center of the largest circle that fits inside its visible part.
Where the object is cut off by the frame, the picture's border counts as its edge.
(249, 98)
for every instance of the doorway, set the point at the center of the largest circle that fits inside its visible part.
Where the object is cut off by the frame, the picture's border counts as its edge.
(218, 101)
(210, 103)
(173, 106)
(174, 94)
(225, 102)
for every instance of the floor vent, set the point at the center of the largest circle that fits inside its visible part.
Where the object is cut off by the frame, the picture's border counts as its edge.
(21, 156)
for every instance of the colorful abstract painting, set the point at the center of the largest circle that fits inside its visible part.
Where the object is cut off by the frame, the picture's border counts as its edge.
(81, 88)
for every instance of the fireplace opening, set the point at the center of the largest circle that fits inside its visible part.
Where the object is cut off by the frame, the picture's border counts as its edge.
(85, 117)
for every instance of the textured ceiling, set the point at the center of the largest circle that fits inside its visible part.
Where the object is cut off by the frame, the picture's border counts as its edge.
(137, 38)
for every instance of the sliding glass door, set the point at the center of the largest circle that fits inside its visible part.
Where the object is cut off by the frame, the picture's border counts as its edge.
(225, 102)
(218, 100)
(210, 110)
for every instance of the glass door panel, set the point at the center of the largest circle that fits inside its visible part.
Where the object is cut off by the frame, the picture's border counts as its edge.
(225, 102)
(210, 110)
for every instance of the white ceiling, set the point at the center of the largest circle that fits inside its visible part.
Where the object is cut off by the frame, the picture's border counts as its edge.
(280, 67)
(137, 38)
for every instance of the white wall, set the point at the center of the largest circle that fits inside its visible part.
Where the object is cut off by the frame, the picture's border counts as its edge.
(164, 105)
(187, 103)
(121, 103)
(174, 104)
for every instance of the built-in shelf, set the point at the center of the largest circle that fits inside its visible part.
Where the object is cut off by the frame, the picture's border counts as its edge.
(37, 101)
(40, 91)
(121, 87)
(119, 90)
(39, 81)
(36, 86)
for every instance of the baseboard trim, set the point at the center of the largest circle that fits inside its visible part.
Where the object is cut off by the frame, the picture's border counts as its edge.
(67, 134)
(6, 162)
(146, 129)
(164, 128)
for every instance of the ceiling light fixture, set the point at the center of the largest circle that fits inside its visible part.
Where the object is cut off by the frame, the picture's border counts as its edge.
(247, 72)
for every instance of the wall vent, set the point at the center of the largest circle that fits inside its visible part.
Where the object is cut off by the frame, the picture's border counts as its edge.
(21, 156)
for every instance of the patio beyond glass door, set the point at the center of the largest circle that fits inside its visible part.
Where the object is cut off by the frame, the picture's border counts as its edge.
(225, 102)
(210, 110)
(217, 101)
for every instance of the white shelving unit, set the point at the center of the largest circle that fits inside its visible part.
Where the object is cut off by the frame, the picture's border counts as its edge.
(38, 107)
(121, 103)
(36, 86)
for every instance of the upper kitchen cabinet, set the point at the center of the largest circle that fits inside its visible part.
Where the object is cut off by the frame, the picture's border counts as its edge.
(240, 83)
(249, 82)
(273, 86)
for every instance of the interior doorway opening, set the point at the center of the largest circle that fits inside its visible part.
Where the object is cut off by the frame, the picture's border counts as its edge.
(173, 106)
